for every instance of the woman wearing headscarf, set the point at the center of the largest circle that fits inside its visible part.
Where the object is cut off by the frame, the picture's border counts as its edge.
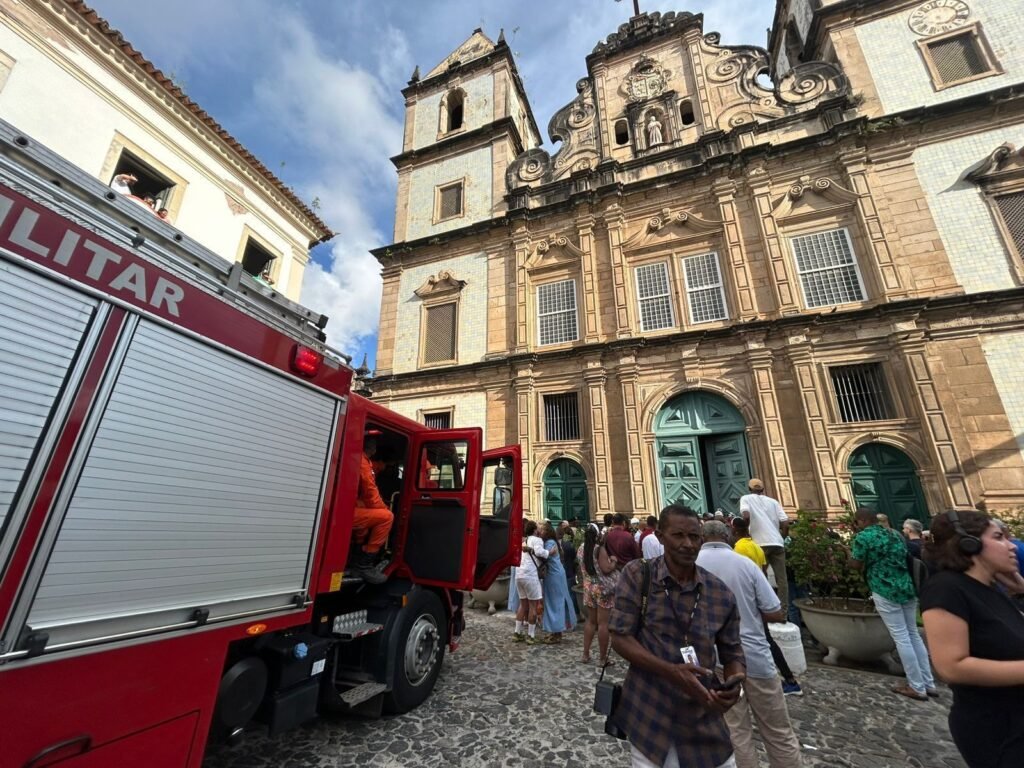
(599, 578)
(976, 635)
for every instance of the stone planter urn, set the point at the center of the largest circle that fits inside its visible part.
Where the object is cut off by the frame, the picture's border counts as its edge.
(492, 597)
(849, 628)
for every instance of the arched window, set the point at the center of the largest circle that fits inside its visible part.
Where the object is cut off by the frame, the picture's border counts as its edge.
(453, 110)
(621, 132)
(686, 114)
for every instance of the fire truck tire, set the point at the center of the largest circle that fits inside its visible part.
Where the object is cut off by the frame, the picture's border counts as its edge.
(239, 696)
(422, 634)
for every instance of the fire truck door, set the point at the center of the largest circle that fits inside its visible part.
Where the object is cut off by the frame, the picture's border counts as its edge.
(501, 515)
(441, 511)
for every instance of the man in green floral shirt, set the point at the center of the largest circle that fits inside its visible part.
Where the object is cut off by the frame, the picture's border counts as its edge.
(882, 555)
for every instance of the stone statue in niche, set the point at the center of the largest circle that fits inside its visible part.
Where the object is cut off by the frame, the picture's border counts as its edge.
(654, 131)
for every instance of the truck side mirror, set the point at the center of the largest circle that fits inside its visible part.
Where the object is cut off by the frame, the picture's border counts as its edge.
(503, 477)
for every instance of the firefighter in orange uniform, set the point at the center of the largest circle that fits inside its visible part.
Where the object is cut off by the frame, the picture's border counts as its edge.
(371, 515)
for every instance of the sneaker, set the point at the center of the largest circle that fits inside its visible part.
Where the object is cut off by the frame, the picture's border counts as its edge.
(518, 637)
(792, 689)
(532, 640)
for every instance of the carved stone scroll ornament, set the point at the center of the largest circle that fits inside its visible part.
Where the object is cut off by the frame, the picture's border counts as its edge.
(575, 126)
(736, 69)
(554, 251)
(441, 283)
(657, 228)
(1004, 161)
(826, 188)
(644, 26)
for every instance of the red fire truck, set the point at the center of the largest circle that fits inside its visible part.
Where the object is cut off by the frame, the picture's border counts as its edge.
(179, 460)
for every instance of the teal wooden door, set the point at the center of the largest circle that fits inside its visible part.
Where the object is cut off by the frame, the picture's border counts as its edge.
(565, 491)
(681, 474)
(885, 480)
(728, 470)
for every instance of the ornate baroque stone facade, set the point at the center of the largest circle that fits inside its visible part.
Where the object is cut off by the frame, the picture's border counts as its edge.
(715, 276)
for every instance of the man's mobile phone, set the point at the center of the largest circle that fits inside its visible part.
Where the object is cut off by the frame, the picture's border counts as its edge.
(728, 685)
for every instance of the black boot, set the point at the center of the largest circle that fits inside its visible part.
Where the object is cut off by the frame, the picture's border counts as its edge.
(368, 569)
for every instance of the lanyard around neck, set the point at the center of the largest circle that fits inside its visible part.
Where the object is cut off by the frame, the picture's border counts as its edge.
(693, 612)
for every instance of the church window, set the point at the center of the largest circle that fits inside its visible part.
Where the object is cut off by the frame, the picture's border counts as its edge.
(561, 417)
(256, 260)
(621, 133)
(439, 333)
(828, 268)
(449, 202)
(652, 288)
(438, 419)
(1010, 210)
(959, 57)
(860, 392)
(556, 312)
(705, 293)
(454, 106)
(686, 113)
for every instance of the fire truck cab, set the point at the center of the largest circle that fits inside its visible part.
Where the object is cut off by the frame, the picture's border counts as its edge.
(179, 464)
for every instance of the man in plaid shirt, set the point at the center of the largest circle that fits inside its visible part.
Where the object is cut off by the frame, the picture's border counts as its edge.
(672, 706)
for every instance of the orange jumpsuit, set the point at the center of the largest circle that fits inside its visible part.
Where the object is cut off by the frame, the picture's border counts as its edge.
(371, 513)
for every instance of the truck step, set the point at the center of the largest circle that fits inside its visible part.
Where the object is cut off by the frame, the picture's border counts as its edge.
(349, 626)
(355, 696)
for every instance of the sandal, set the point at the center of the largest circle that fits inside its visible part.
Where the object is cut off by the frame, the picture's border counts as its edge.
(607, 663)
(910, 693)
(586, 660)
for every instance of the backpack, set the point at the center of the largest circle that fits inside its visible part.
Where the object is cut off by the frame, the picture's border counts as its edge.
(918, 571)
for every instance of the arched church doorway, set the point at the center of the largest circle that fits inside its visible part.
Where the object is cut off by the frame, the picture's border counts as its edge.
(565, 491)
(885, 479)
(702, 453)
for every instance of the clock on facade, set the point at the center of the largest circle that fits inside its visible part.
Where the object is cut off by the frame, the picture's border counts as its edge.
(938, 16)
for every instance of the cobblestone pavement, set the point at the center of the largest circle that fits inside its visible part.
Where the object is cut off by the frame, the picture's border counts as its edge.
(514, 706)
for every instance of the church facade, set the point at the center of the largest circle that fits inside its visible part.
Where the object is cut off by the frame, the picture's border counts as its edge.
(801, 263)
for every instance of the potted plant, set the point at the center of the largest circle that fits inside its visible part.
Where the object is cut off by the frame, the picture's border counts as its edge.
(838, 611)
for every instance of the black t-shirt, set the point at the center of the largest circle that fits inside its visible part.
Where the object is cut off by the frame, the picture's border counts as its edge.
(995, 631)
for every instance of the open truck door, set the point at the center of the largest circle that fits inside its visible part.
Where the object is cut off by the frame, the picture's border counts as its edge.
(501, 515)
(441, 508)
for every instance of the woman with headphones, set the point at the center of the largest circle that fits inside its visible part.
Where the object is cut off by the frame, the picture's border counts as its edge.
(976, 636)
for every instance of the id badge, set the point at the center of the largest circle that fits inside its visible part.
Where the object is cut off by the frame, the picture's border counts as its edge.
(689, 654)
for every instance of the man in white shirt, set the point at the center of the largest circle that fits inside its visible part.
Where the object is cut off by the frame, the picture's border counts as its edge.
(528, 586)
(763, 688)
(652, 547)
(769, 525)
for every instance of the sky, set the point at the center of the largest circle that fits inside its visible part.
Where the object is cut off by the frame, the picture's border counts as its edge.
(313, 89)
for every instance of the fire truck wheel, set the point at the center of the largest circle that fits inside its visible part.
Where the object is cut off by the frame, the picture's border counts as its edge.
(422, 636)
(240, 694)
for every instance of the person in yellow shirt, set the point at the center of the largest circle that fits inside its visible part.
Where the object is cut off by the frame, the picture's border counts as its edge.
(746, 546)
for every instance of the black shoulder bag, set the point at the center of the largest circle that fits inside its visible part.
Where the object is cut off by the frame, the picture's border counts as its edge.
(542, 566)
(607, 693)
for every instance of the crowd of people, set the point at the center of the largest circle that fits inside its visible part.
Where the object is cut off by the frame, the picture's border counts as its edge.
(686, 602)
(122, 184)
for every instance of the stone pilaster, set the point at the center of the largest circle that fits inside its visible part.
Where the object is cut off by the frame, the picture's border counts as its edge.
(388, 330)
(595, 379)
(735, 256)
(915, 356)
(615, 221)
(801, 356)
(628, 374)
(523, 387)
(781, 479)
(591, 298)
(779, 275)
(521, 249)
(855, 162)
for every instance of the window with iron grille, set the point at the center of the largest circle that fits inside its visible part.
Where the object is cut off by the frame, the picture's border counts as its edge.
(450, 204)
(556, 312)
(1011, 209)
(828, 268)
(958, 58)
(861, 394)
(655, 301)
(439, 334)
(704, 290)
(561, 417)
(439, 420)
